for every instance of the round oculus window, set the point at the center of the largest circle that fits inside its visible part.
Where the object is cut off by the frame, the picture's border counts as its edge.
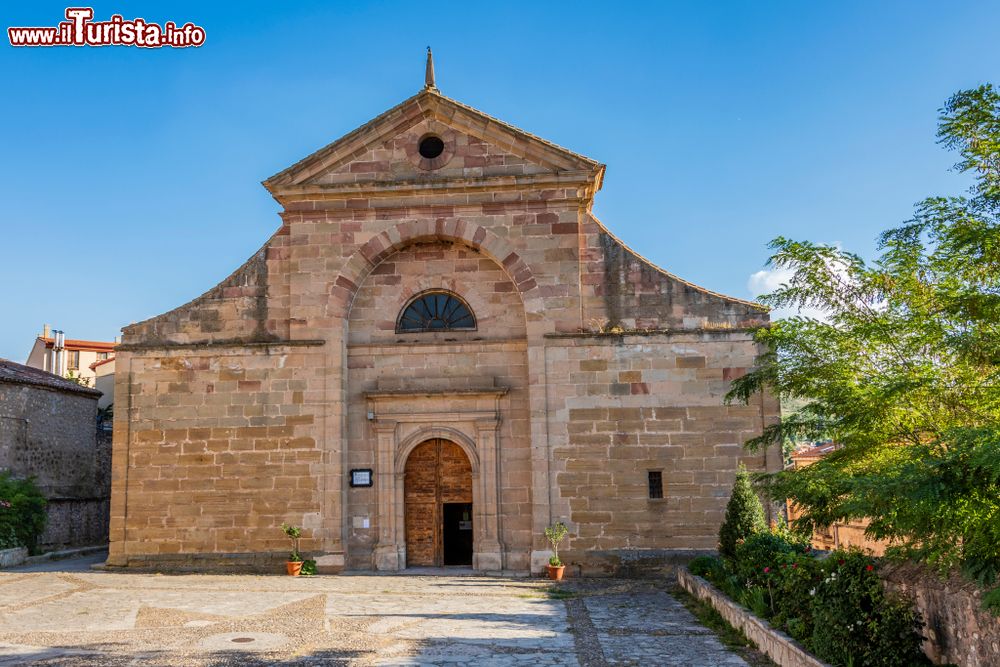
(430, 147)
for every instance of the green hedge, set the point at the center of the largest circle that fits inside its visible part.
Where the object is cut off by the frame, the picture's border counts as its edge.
(22, 512)
(835, 606)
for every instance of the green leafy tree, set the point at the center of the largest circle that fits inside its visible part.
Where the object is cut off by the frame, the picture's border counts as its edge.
(903, 370)
(744, 515)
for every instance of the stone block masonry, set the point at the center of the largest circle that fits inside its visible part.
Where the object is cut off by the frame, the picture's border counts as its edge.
(48, 431)
(621, 407)
(251, 405)
(217, 451)
(957, 629)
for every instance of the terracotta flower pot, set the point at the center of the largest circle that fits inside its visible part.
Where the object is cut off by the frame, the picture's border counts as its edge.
(294, 567)
(555, 573)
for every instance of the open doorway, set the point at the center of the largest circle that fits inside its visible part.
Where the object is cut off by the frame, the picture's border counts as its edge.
(437, 491)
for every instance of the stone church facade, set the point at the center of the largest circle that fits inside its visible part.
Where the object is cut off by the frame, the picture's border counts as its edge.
(441, 316)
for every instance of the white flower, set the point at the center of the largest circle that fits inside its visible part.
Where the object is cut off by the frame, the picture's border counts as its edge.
(812, 591)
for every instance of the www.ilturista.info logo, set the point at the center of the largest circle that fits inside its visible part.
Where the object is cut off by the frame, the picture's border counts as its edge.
(81, 30)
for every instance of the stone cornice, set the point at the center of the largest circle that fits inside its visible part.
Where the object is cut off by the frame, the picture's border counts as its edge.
(654, 332)
(583, 181)
(142, 347)
(410, 393)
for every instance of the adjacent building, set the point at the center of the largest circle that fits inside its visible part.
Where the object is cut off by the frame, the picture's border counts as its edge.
(104, 381)
(48, 431)
(68, 357)
(840, 533)
(439, 352)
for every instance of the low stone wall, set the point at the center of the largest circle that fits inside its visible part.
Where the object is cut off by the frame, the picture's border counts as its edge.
(12, 557)
(630, 563)
(776, 645)
(957, 628)
(75, 522)
(239, 563)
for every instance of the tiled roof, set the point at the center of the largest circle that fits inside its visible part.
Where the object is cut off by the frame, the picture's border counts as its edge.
(101, 362)
(13, 372)
(74, 344)
(814, 451)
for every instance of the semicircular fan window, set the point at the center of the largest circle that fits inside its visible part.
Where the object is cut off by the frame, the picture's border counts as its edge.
(436, 310)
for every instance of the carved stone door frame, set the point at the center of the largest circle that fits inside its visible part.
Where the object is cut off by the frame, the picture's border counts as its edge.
(403, 420)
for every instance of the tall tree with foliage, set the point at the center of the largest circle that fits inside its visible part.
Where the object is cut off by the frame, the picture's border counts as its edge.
(744, 515)
(903, 371)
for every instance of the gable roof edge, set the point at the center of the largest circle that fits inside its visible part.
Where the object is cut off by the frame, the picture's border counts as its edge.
(287, 176)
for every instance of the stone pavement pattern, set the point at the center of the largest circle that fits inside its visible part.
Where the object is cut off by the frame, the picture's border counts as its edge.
(80, 617)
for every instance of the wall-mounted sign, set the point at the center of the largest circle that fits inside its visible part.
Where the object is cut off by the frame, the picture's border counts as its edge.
(361, 477)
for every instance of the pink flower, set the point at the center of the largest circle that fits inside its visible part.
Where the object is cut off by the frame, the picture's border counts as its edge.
(766, 570)
(795, 565)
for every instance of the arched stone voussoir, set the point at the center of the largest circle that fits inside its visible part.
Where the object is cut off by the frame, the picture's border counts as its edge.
(387, 242)
(465, 442)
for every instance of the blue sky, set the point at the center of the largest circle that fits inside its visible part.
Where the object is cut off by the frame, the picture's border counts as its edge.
(130, 178)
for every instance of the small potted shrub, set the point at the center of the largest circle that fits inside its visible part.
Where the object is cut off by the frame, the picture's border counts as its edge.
(294, 564)
(555, 534)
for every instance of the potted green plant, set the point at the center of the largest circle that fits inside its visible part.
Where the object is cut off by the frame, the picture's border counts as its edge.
(294, 564)
(555, 534)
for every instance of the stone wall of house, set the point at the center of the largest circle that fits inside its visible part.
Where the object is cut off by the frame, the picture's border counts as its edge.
(215, 450)
(75, 523)
(51, 435)
(621, 406)
(957, 629)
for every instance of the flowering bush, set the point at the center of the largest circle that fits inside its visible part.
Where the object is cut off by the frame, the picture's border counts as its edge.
(22, 512)
(856, 622)
(836, 607)
(757, 555)
(798, 574)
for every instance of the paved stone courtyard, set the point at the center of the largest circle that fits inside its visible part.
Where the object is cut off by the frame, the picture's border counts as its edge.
(66, 614)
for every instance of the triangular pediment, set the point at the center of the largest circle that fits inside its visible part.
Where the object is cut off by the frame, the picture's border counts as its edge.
(385, 151)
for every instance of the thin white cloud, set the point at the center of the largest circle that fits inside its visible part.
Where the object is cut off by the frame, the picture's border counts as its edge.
(769, 280)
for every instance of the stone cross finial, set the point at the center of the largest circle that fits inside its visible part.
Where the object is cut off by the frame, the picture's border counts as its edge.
(429, 73)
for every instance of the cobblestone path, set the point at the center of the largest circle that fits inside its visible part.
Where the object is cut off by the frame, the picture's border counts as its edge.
(67, 617)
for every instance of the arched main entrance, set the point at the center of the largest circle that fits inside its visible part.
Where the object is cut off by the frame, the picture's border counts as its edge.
(437, 491)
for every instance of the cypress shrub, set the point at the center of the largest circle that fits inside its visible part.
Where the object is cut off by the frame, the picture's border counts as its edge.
(744, 515)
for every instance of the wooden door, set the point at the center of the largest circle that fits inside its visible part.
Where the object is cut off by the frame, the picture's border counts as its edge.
(437, 472)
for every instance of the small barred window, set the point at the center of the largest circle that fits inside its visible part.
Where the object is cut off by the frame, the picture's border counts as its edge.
(655, 483)
(436, 311)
